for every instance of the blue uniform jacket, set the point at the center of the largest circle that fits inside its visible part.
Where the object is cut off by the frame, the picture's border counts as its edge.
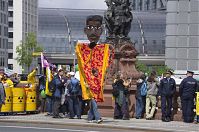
(58, 86)
(167, 88)
(188, 87)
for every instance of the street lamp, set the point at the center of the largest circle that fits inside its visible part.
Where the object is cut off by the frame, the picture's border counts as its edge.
(142, 34)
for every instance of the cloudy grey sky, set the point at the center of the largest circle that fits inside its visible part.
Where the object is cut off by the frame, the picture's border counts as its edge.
(74, 4)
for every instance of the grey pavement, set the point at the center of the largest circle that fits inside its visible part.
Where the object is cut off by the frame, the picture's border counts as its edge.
(139, 124)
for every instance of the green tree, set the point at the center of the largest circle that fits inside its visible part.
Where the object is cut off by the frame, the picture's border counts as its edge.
(142, 67)
(160, 69)
(25, 50)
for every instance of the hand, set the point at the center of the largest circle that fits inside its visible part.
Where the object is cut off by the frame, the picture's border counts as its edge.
(159, 97)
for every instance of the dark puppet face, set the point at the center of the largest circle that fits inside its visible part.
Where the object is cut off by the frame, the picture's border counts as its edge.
(93, 30)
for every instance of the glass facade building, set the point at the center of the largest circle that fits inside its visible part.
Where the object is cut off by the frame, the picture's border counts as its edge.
(59, 29)
(145, 5)
(3, 33)
(182, 35)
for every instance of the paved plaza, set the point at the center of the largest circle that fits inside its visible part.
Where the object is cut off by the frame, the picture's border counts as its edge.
(133, 123)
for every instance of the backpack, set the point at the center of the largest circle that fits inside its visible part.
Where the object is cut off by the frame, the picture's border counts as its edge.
(74, 86)
(143, 89)
(51, 86)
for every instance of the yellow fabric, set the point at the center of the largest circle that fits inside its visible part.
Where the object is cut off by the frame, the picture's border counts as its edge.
(49, 77)
(197, 103)
(86, 84)
(31, 77)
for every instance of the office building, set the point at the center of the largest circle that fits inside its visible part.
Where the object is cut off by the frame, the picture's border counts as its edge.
(146, 5)
(182, 35)
(22, 19)
(3, 33)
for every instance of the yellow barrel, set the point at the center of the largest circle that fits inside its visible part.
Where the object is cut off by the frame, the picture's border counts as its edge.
(30, 100)
(197, 103)
(18, 99)
(8, 101)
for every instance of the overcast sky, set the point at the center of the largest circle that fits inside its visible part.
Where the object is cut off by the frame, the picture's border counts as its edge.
(74, 4)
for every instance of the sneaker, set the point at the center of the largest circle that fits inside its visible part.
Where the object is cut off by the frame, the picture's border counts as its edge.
(99, 121)
(90, 121)
(195, 122)
(47, 114)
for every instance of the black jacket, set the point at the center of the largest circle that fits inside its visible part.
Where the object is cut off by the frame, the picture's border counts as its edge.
(188, 87)
(167, 88)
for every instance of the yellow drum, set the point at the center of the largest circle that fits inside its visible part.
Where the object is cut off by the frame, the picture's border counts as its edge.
(8, 101)
(30, 100)
(197, 103)
(18, 99)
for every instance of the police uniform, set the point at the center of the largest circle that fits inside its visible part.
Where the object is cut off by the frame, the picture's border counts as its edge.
(166, 91)
(187, 91)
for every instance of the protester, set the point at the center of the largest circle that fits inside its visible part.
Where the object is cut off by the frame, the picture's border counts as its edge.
(15, 79)
(7, 81)
(64, 95)
(58, 82)
(2, 93)
(73, 90)
(152, 90)
(120, 93)
(166, 92)
(140, 100)
(187, 91)
(42, 97)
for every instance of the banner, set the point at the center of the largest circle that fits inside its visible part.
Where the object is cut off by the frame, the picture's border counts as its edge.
(44, 61)
(49, 77)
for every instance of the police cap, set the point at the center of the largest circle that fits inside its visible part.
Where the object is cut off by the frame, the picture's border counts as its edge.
(191, 72)
(169, 72)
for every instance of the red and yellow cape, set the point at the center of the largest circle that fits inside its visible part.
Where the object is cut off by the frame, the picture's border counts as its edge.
(97, 58)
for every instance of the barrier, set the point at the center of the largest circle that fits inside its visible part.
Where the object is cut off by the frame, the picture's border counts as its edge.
(30, 100)
(18, 99)
(8, 101)
(197, 103)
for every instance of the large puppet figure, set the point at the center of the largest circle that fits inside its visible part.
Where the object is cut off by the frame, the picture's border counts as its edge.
(93, 61)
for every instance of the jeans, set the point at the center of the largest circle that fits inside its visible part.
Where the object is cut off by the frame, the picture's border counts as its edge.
(121, 112)
(49, 104)
(74, 106)
(93, 113)
(56, 106)
(139, 107)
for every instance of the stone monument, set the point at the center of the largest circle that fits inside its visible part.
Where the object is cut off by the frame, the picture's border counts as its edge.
(118, 18)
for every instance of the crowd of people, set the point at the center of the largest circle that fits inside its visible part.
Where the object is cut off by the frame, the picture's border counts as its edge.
(149, 89)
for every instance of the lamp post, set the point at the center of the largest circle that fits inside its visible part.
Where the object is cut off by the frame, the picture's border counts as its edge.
(142, 34)
(69, 33)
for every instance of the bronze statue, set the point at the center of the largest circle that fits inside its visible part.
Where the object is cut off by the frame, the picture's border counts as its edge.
(118, 18)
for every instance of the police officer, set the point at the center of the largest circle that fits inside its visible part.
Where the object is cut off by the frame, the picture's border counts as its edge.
(187, 91)
(166, 91)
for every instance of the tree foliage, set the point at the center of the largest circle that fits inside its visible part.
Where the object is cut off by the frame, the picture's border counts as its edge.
(25, 50)
(160, 69)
